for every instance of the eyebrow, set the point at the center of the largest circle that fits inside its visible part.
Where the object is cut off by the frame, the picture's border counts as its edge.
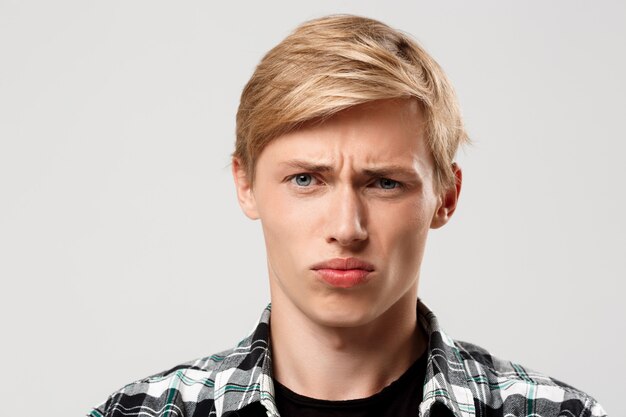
(383, 171)
(307, 166)
(391, 171)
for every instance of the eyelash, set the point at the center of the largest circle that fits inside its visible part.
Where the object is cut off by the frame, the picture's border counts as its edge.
(292, 179)
(397, 184)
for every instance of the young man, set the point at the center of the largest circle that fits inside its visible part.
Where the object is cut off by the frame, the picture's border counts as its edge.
(346, 135)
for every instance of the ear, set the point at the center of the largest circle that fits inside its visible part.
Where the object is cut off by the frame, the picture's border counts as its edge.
(245, 193)
(448, 200)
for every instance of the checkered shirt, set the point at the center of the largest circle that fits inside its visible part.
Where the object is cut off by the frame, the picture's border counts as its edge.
(462, 380)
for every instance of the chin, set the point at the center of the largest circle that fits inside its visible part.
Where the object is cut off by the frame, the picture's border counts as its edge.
(341, 314)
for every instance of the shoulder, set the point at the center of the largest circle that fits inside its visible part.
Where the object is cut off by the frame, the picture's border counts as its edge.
(509, 387)
(200, 387)
(184, 390)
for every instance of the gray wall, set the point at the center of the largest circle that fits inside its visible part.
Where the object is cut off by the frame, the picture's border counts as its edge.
(122, 248)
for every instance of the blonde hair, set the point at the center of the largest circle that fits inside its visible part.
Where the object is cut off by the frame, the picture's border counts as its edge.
(332, 63)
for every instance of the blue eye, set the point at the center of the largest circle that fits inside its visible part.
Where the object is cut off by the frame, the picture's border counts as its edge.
(388, 184)
(303, 180)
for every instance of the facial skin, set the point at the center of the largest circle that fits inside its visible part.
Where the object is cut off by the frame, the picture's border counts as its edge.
(358, 185)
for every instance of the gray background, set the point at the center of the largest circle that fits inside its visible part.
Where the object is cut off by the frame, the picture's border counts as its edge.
(123, 251)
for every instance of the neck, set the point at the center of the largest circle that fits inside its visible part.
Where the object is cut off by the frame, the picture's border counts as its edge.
(340, 363)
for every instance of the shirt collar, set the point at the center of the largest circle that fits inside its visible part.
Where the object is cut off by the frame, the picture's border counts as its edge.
(446, 381)
(245, 374)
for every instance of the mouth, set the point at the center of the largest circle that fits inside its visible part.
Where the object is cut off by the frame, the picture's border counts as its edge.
(343, 272)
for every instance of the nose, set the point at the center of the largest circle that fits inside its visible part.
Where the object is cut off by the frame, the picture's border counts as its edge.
(346, 222)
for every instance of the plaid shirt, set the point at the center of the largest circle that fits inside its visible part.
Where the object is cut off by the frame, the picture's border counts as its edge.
(462, 380)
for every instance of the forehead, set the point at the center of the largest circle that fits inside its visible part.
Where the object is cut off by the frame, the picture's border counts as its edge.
(374, 133)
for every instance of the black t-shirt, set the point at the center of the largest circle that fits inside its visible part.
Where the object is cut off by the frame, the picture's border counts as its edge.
(399, 399)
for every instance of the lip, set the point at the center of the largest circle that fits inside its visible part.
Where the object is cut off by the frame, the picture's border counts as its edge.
(343, 272)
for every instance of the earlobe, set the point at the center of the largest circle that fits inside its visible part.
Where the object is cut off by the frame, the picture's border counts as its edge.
(245, 192)
(448, 200)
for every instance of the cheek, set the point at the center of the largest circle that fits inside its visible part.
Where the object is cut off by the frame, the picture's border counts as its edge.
(289, 216)
(403, 230)
(289, 226)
